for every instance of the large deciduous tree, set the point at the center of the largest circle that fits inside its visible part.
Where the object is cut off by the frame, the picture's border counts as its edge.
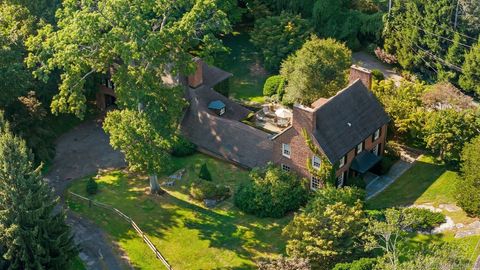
(318, 69)
(279, 36)
(32, 234)
(331, 228)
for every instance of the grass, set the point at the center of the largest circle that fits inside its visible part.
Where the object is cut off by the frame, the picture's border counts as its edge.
(428, 182)
(244, 62)
(189, 235)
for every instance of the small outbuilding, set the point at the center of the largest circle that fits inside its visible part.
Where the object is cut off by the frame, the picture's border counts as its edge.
(217, 106)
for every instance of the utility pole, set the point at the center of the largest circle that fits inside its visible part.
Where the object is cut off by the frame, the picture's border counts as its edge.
(456, 16)
(390, 6)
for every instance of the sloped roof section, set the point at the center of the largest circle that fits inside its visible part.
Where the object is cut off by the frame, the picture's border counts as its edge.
(347, 119)
(225, 135)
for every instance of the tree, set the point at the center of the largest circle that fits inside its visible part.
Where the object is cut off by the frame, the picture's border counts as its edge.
(32, 234)
(331, 228)
(274, 85)
(140, 41)
(317, 70)
(470, 78)
(205, 173)
(444, 256)
(144, 148)
(446, 131)
(468, 190)
(271, 193)
(279, 36)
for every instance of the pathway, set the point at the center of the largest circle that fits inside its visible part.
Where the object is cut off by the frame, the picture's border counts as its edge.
(81, 152)
(380, 183)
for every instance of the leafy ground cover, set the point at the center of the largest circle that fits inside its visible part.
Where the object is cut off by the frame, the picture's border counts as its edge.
(189, 235)
(244, 62)
(428, 182)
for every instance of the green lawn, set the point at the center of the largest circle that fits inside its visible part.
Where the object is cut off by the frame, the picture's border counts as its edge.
(189, 235)
(428, 182)
(244, 62)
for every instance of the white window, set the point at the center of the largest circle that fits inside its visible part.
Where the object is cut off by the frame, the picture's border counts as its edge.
(222, 111)
(286, 150)
(285, 167)
(340, 180)
(376, 150)
(359, 148)
(376, 135)
(316, 161)
(342, 162)
(315, 183)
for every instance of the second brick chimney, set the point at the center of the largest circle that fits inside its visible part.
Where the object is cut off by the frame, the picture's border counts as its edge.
(365, 75)
(196, 79)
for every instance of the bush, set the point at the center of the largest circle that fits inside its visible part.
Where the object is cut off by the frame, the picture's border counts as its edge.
(205, 173)
(420, 219)
(468, 195)
(283, 263)
(274, 85)
(271, 193)
(92, 186)
(361, 264)
(378, 75)
(201, 190)
(356, 182)
(182, 147)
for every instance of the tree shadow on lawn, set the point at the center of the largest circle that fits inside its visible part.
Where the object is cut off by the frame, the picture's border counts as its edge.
(235, 231)
(408, 187)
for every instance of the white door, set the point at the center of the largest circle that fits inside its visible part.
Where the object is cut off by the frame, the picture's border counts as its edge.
(376, 150)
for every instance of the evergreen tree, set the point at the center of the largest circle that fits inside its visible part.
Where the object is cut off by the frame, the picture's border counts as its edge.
(468, 190)
(32, 234)
(205, 173)
(470, 79)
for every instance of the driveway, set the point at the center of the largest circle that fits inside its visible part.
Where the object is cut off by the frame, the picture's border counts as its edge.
(81, 152)
(371, 62)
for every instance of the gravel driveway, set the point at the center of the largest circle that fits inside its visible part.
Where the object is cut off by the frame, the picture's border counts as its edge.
(81, 152)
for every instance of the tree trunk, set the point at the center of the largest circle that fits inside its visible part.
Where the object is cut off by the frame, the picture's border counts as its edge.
(154, 186)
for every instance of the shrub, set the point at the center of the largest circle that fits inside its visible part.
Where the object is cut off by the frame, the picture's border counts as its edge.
(201, 190)
(420, 219)
(205, 173)
(283, 263)
(468, 195)
(274, 85)
(378, 75)
(385, 57)
(182, 147)
(92, 186)
(356, 182)
(271, 193)
(361, 264)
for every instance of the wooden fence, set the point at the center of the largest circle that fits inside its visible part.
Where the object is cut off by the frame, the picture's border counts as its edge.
(134, 225)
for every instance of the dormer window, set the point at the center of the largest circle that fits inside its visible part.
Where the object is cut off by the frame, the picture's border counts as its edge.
(316, 162)
(376, 135)
(286, 151)
(359, 148)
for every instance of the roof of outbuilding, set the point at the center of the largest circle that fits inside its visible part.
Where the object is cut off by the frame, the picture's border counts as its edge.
(346, 119)
(216, 105)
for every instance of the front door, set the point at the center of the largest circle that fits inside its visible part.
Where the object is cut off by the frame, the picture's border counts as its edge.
(376, 150)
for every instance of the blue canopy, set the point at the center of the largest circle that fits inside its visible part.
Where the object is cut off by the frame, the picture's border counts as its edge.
(364, 162)
(216, 105)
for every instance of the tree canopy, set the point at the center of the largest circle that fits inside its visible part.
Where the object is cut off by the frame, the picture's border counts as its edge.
(318, 69)
(468, 195)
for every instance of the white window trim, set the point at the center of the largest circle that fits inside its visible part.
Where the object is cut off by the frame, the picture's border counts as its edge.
(312, 179)
(342, 162)
(316, 160)
(288, 151)
(342, 182)
(359, 146)
(376, 135)
(376, 150)
(286, 168)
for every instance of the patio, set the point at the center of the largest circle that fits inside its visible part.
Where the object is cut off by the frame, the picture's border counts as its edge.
(273, 117)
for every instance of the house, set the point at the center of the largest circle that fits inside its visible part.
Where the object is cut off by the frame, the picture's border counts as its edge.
(349, 129)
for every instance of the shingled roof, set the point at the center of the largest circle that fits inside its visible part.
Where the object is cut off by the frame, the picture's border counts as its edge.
(346, 119)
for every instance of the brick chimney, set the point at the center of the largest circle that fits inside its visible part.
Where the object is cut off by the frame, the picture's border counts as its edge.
(196, 79)
(303, 117)
(361, 73)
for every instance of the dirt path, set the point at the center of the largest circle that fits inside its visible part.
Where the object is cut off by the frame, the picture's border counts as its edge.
(81, 152)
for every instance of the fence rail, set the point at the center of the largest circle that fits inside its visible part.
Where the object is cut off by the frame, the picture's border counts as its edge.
(134, 225)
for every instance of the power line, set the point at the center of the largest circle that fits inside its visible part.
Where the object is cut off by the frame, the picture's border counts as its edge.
(453, 41)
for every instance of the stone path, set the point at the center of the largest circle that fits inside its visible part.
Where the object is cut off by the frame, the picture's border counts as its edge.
(380, 183)
(81, 152)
